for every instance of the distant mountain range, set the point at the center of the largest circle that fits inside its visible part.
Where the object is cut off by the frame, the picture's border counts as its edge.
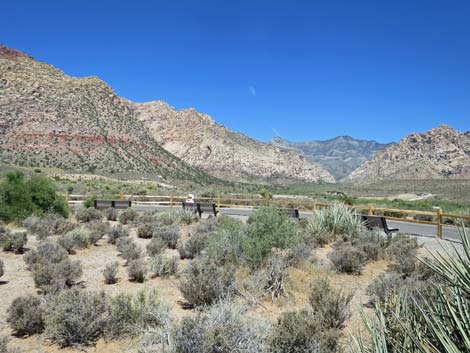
(340, 155)
(49, 119)
(53, 120)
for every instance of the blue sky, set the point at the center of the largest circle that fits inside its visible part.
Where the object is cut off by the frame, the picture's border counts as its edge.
(303, 69)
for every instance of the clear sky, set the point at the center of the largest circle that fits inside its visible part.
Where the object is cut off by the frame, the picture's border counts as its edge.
(303, 69)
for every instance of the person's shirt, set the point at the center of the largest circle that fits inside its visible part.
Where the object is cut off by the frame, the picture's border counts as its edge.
(190, 201)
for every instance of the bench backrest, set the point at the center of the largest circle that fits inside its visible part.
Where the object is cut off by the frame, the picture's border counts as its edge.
(190, 206)
(120, 204)
(292, 212)
(208, 207)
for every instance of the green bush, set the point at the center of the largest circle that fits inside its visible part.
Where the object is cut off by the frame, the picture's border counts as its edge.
(76, 317)
(89, 201)
(156, 246)
(129, 315)
(161, 265)
(88, 215)
(13, 241)
(145, 231)
(110, 272)
(186, 216)
(331, 304)
(116, 233)
(337, 220)
(137, 270)
(204, 282)
(226, 246)
(25, 315)
(20, 197)
(347, 258)
(127, 216)
(303, 331)
(221, 328)
(268, 228)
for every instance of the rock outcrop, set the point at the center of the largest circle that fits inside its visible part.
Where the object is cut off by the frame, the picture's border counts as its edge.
(439, 153)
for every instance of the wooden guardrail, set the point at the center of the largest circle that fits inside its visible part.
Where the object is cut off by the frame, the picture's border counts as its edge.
(437, 217)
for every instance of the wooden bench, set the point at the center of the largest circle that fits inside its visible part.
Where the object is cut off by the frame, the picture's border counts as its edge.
(118, 204)
(200, 207)
(378, 222)
(291, 212)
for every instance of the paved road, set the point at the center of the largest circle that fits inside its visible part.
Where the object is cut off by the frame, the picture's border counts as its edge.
(425, 230)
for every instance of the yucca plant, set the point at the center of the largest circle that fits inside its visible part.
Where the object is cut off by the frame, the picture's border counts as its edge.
(425, 323)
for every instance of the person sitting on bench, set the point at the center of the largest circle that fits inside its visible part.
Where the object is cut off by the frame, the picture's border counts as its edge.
(190, 198)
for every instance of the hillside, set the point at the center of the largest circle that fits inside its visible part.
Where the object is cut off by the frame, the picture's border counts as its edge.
(198, 140)
(340, 155)
(438, 153)
(50, 119)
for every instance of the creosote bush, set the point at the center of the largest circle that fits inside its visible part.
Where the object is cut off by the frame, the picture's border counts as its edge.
(117, 232)
(347, 258)
(110, 272)
(137, 270)
(161, 265)
(204, 282)
(25, 315)
(88, 215)
(127, 216)
(76, 317)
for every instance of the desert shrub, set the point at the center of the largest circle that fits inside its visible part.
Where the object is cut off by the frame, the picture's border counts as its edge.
(88, 215)
(276, 274)
(45, 252)
(79, 237)
(128, 250)
(13, 241)
(226, 245)
(193, 246)
(209, 225)
(129, 315)
(127, 216)
(385, 285)
(89, 201)
(166, 218)
(320, 238)
(97, 230)
(402, 245)
(75, 317)
(347, 258)
(67, 241)
(110, 272)
(268, 228)
(161, 265)
(117, 232)
(371, 243)
(5, 347)
(204, 282)
(186, 216)
(303, 331)
(147, 217)
(169, 234)
(145, 231)
(54, 277)
(21, 197)
(41, 227)
(331, 304)
(2, 268)
(111, 214)
(337, 220)
(221, 328)
(25, 315)
(156, 246)
(64, 225)
(137, 270)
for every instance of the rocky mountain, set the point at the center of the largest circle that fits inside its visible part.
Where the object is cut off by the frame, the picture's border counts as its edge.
(53, 120)
(340, 155)
(438, 153)
(50, 119)
(198, 140)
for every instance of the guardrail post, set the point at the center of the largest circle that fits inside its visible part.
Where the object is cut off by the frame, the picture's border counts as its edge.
(121, 195)
(66, 197)
(314, 206)
(171, 200)
(371, 211)
(439, 223)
